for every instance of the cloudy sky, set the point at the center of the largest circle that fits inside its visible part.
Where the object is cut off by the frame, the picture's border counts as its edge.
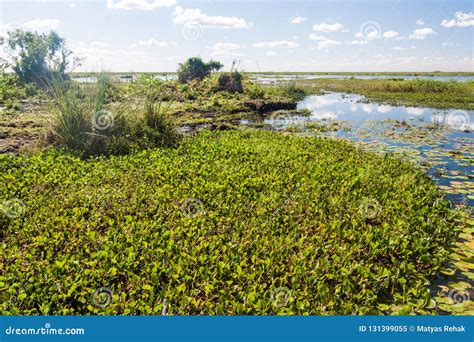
(261, 35)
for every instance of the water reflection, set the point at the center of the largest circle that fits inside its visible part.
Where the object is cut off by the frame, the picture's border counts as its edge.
(355, 109)
(440, 140)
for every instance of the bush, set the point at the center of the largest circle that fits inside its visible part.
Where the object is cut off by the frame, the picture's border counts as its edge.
(254, 91)
(293, 92)
(11, 92)
(146, 85)
(195, 69)
(230, 82)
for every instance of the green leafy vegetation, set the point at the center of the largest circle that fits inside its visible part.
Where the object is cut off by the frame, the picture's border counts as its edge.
(220, 97)
(220, 225)
(10, 90)
(236, 222)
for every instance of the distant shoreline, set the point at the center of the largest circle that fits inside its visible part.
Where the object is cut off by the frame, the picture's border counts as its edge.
(376, 73)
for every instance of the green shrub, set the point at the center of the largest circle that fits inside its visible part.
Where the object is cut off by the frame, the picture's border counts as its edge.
(288, 90)
(293, 92)
(220, 225)
(12, 92)
(254, 91)
(146, 85)
(230, 82)
(106, 90)
(195, 69)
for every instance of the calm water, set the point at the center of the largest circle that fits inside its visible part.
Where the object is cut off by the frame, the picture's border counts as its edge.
(269, 79)
(440, 140)
(124, 78)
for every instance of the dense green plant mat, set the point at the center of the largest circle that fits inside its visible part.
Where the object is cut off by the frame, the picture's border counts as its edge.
(234, 222)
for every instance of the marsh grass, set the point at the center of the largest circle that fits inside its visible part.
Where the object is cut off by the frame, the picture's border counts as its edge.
(84, 119)
(417, 92)
(415, 86)
(70, 119)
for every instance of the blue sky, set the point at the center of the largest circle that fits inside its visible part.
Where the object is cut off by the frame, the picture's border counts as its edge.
(155, 35)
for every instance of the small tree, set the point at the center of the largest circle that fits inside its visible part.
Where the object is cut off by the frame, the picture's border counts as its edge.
(194, 68)
(38, 58)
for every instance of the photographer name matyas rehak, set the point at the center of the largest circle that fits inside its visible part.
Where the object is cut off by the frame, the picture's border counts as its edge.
(446, 328)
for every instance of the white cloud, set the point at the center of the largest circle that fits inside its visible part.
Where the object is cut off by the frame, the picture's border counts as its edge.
(326, 43)
(421, 34)
(324, 27)
(149, 42)
(99, 45)
(313, 36)
(41, 24)
(272, 53)
(420, 22)
(140, 4)
(105, 58)
(460, 20)
(183, 16)
(447, 43)
(357, 42)
(226, 46)
(390, 34)
(32, 25)
(219, 49)
(298, 20)
(374, 34)
(277, 44)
